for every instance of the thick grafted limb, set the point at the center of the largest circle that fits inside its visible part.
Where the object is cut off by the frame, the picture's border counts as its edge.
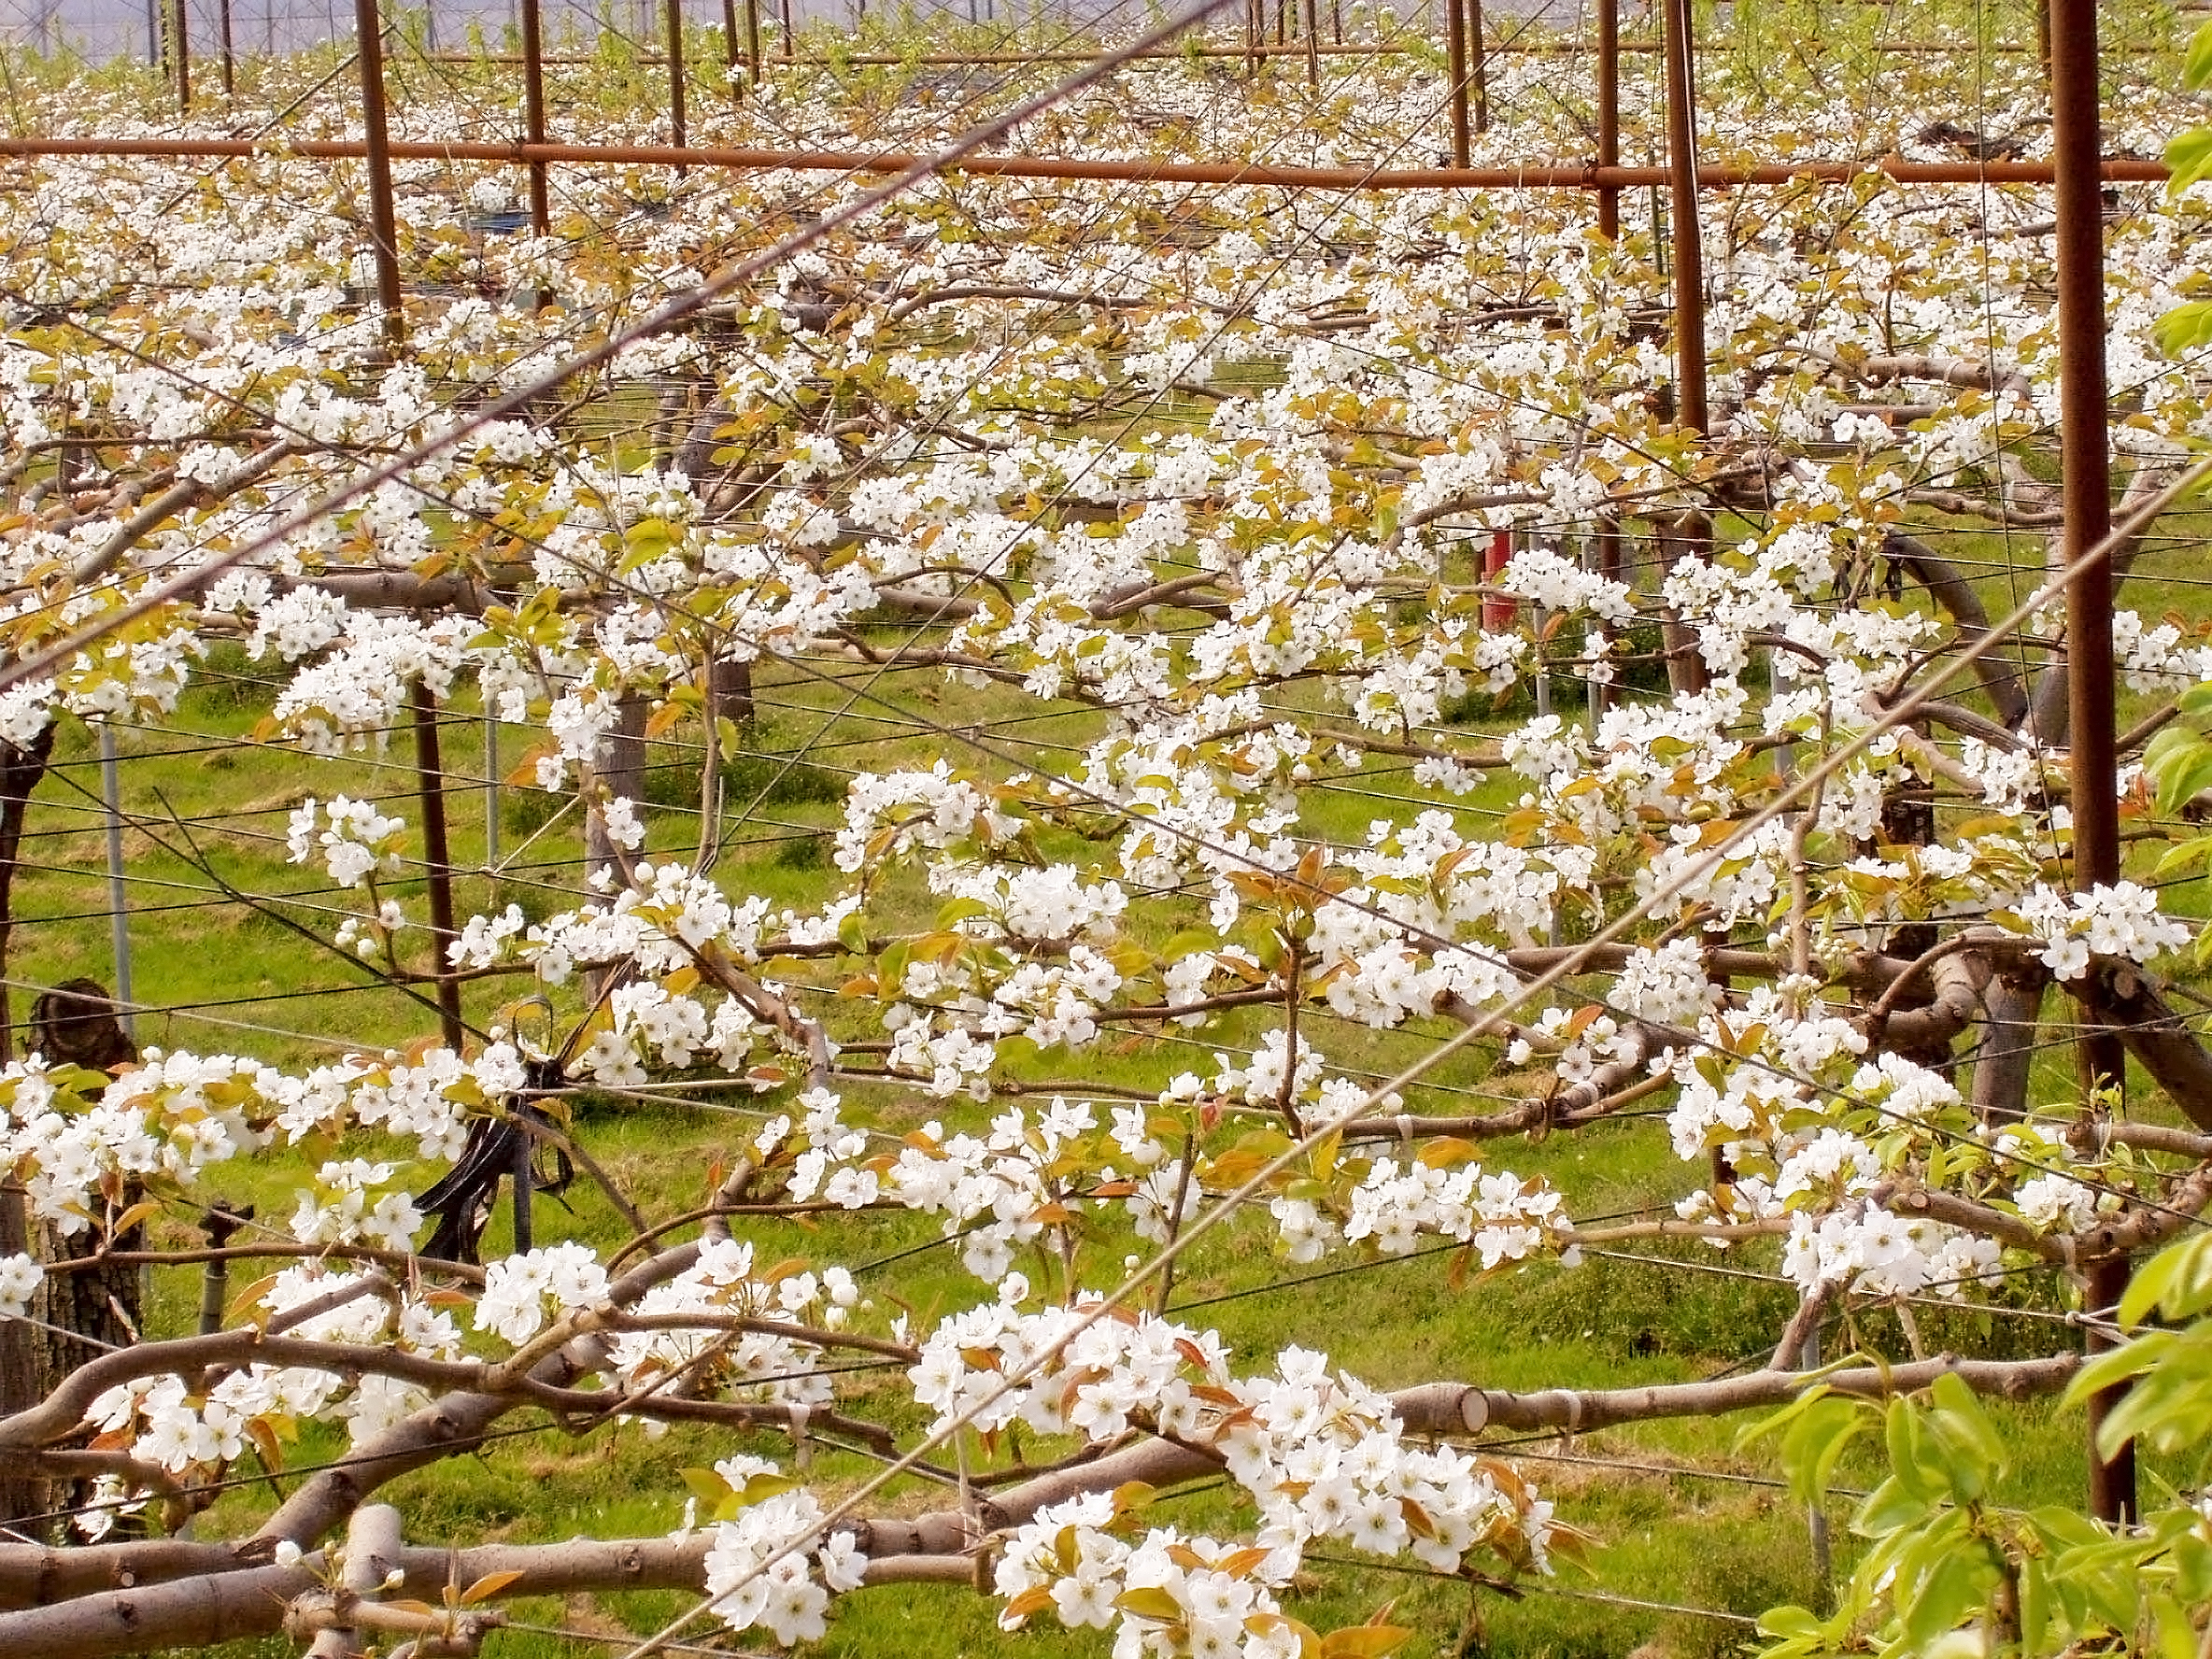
(2012, 1004)
(2046, 713)
(372, 1549)
(2118, 995)
(134, 1598)
(1950, 589)
(1924, 1035)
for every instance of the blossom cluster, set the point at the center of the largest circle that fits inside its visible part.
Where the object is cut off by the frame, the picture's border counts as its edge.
(2121, 921)
(1322, 1457)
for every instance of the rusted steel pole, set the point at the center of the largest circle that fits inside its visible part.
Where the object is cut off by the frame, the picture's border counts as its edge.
(1540, 49)
(1478, 64)
(1689, 253)
(729, 57)
(2086, 471)
(377, 149)
(1313, 44)
(674, 12)
(791, 43)
(181, 28)
(1608, 114)
(1455, 69)
(437, 859)
(1160, 171)
(1691, 537)
(230, 59)
(533, 114)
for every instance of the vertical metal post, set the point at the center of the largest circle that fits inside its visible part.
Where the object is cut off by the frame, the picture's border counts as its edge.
(533, 113)
(1606, 554)
(1312, 25)
(2085, 470)
(1478, 65)
(525, 1179)
(1689, 249)
(1455, 67)
(157, 48)
(383, 220)
(230, 59)
(437, 859)
(491, 791)
(790, 45)
(673, 12)
(119, 906)
(183, 44)
(1608, 115)
(221, 1226)
(1816, 1518)
(730, 43)
(752, 41)
(1689, 536)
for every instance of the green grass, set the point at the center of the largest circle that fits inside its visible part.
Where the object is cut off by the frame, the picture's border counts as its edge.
(1731, 1545)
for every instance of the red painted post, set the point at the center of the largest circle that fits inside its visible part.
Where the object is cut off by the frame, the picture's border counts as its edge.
(1499, 611)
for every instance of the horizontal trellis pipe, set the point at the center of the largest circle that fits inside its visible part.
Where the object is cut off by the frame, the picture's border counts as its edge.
(1719, 176)
(1542, 48)
(987, 59)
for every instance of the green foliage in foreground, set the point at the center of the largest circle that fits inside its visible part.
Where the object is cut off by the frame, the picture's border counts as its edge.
(1949, 1570)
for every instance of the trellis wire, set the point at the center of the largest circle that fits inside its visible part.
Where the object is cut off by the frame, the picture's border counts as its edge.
(1985, 175)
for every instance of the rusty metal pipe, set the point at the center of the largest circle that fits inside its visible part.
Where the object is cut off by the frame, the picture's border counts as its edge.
(1688, 244)
(182, 25)
(1545, 48)
(1478, 64)
(2086, 472)
(1608, 114)
(375, 148)
(533, 114)
(437, 859)
(675, 13)
(1455, 70)
(1711, 177)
